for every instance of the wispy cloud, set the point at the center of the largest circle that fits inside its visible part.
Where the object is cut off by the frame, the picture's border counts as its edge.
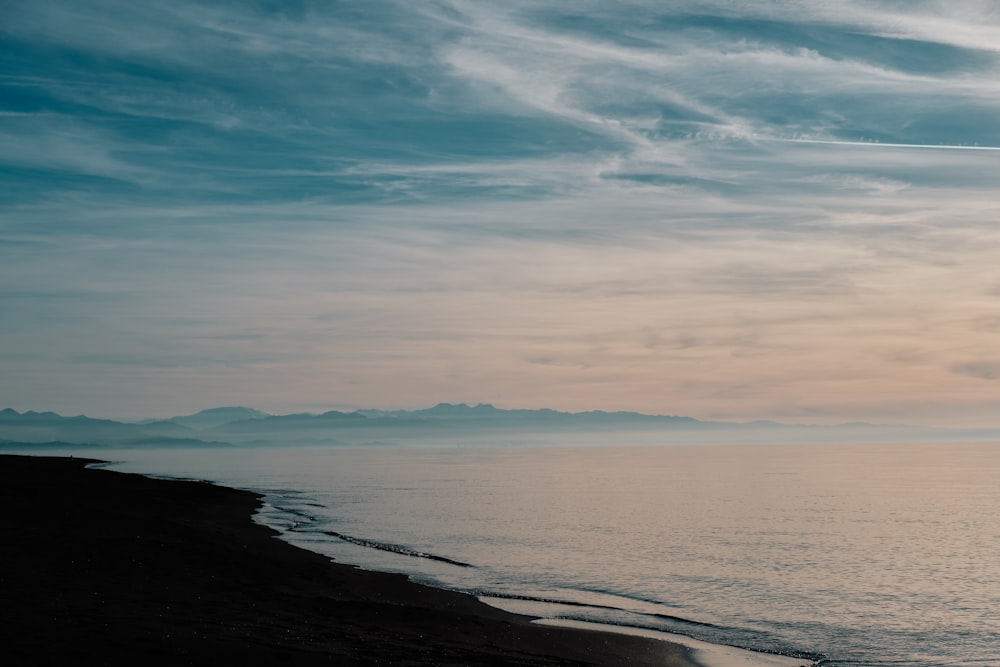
(736, 210)
(984, 370)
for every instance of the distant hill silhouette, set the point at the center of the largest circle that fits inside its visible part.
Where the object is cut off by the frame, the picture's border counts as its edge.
(451, 423)
(217, 416)
(38, 428)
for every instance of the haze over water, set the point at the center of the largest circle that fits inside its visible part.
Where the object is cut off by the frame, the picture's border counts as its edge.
(877, 555)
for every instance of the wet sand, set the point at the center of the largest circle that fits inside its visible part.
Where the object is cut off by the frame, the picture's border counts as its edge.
(109, 568)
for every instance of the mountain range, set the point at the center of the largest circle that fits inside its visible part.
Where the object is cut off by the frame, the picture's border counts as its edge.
(445, 423)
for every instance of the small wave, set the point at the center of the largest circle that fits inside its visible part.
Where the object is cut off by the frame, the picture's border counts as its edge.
(395, 548)
(591, 605)
(286, 492)
(280, 516)
(658, 622)
(686, 621)
(623, 596)
(296, 512)
(533, 598)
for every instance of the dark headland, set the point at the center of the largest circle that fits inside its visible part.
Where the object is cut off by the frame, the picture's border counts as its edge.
(101, 567)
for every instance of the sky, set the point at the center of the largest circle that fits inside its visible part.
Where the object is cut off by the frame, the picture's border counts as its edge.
(735, 210)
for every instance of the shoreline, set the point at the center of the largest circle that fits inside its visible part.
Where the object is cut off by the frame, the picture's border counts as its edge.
(702, 653)
(107, 566)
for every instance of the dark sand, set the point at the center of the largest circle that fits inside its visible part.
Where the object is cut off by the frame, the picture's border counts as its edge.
(100, 567)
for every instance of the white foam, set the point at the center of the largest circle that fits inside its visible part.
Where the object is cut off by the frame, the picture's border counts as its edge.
(706, 654)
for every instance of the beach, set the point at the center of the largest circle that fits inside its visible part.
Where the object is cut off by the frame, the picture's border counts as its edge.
(106, 568)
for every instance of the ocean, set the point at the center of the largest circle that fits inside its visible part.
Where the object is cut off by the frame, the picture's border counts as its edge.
(875, 555)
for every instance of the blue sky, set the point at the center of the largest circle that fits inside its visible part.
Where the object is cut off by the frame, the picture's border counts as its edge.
(728, 210)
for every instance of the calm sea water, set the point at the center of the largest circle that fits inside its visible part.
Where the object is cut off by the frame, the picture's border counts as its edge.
(877, 555)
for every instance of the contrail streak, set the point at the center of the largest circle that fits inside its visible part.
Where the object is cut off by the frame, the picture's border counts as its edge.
(871, 144)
